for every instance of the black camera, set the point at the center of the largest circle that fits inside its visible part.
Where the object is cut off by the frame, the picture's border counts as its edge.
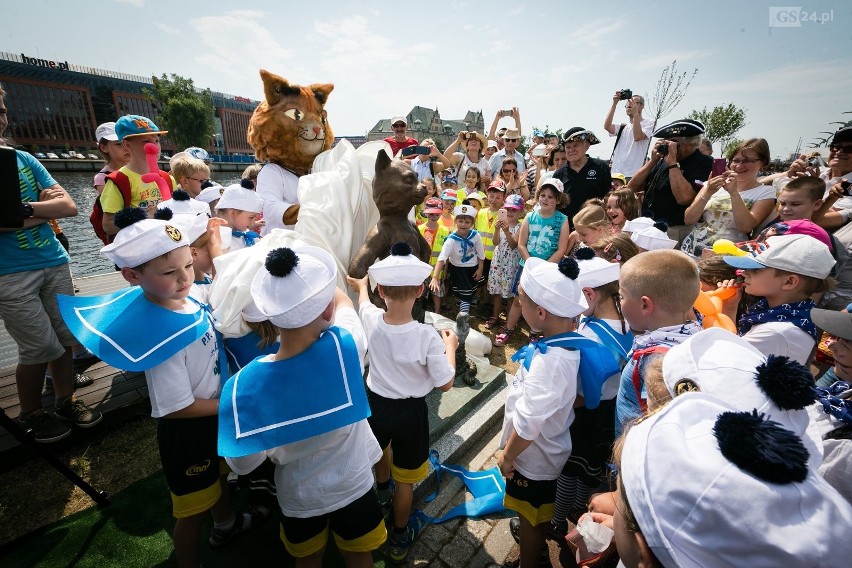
(662, 149)
(625, 94)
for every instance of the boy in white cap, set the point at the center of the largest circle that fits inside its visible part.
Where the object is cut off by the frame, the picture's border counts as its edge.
(182, 369)
(652, 238)
(742, 494)
(539, 408)
(407, 360)
(785, 276)
(464, 255)
(306, 410)
(240, 207)
(115, 155)
(211, 195)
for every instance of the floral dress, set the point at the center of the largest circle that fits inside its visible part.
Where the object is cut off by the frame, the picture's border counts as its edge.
(504, 266)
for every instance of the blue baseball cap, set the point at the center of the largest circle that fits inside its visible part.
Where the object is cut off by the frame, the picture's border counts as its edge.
(198, 153)
(135, 125)
(450, 179)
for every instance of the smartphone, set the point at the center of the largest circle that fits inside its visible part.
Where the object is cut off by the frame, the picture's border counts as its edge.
(540, 150)
(415, 150)
(501, 215)
(720, 165)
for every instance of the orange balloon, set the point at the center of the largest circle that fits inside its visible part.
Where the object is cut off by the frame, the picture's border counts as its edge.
(709, 305)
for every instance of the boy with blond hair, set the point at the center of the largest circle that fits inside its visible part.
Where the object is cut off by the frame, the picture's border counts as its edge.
(657, 290)
(190, 173)
(398, 382)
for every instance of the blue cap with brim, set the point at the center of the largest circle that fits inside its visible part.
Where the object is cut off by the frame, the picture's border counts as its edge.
(135, 125)
(744, 262)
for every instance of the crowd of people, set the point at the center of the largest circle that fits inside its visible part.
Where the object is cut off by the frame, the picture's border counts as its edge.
(639, 425)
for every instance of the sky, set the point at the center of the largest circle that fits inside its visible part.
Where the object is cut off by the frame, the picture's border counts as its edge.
(559, 62)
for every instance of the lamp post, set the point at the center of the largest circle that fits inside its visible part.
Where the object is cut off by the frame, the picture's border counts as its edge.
(216, 143)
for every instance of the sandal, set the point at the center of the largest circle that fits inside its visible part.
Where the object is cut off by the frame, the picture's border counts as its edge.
(243, 522)
(491, 323)
(503, 337)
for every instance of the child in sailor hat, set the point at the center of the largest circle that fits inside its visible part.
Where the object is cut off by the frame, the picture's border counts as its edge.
(305, 409)
(407, 361)
(463, 254)
(536, 441)
(652, 238)
(205, 244)
(240, 207)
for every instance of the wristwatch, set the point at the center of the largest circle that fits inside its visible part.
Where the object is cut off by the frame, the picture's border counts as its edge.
(26, 210)
(675, 165)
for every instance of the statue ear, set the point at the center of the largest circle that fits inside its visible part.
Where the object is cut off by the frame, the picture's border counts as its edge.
(321, 91)
(382, 160)
(275, 87)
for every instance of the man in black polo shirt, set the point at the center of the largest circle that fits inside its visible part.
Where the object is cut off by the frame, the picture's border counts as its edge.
(582, 176)
(669, 182)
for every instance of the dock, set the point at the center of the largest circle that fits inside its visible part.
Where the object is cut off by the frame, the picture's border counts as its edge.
(112, 389)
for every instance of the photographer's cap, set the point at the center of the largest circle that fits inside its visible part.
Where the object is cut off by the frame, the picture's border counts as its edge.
(400, 268)
(135, 125)
(106, 131)
(295, 285)
(799, 254)
(237, 197)
(680, 128)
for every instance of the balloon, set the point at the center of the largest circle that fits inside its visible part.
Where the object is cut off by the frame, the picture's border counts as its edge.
(726, 247)
(152, 152)
(709, 305)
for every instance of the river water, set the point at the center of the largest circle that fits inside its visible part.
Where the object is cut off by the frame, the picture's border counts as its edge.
(85, 258)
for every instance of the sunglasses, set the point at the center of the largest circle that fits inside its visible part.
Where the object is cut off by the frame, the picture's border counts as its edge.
(198, 180)
(506, 171)
(846, 148)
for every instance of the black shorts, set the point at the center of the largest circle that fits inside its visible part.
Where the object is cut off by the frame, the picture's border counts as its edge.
(461, 280)
(402, 424)
(357, 527)
(533, 500)
(191, 463)
(592, 437)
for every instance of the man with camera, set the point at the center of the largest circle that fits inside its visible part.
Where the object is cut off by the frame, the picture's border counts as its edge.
(631, 142)
(677, 170)
(497, 135)
(400, 138)
(511, 140)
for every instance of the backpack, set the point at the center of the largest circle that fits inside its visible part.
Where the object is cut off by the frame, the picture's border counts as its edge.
(96, 218)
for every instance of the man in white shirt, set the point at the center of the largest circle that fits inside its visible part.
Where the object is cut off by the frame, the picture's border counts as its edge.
(631, 144)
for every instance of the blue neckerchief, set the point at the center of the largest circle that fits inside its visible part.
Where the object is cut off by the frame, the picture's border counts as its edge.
(249, 236)
(797, 313)
(269, 404)
(243, 350)
(468, 249)
(829, 398)
(597, 362)
(222, 360)
(207, 280)
(487, 487)
(108, 326)
(619, 344)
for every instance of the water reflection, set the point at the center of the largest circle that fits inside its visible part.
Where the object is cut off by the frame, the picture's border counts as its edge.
(85, 258)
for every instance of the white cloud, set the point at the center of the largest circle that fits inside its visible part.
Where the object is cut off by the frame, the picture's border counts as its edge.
(137, 3)
(167, 28)
(597, 33)
(662, 60)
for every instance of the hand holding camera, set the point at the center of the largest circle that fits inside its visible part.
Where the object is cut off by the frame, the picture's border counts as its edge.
(625, 94)
(802, 167)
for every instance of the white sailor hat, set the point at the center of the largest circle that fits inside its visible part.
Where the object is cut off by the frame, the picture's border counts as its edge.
(237, 197)
(210, 194)
(554, 287)
(467, 210)
(400, 268)
(652, 238)
(182, 204)
(140, 239)
(594, 270)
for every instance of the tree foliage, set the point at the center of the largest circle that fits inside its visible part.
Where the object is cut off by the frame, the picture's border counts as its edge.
(721, 123)
(186, 113)
(671, 88)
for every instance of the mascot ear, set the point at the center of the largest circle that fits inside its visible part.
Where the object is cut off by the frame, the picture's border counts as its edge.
(275, 87)
(321, 91)
(382, 160)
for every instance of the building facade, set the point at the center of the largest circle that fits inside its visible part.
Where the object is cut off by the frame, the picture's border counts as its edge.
(427, 123)
(56, 106)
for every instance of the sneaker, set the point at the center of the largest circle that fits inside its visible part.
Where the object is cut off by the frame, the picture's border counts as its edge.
(386, 500)
(43, 427)
(243, 522)
(77, 412)
(400, 544)
(81, 380)
(515, 529)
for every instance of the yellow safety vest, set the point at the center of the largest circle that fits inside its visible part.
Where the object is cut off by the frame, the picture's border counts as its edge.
(485, 220)
(441, 235)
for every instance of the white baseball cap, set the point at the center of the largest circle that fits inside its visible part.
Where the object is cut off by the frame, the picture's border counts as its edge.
(106, 131)
(799, 254)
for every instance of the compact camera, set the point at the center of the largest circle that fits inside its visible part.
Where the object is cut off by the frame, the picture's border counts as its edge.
(625, 94)
(662, 149)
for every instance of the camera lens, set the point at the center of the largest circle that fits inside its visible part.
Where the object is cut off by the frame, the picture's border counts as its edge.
(662, 149)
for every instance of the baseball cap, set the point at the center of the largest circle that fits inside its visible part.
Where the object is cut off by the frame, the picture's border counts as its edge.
(620, 177)
(450, 179)
(476, 195)
(843, 134)
(797, 227)
(492, 144)
(433, 206)
(554, 183)
(799, 254)
(496, 185)
(838, 324)
(401, 119)
(514, 201)
(135, 125)
(449, 195)
(106, 131)
(198, 153)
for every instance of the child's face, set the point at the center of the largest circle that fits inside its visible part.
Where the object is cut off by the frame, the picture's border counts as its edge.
(449, 205)
(589, 235)
(429, 184)
(763, 282)
(192, 184)
(633, 310)
(135, 145)
(617, 184)
(547, 200)
(475, 203)
(433, 217)
(240, 220)
(512, 215)
(166, 279)
(614, 212)
(793, 205)
(115, 152)
(470, 178)
(841, 349)
(464, 223)
(529, 310)
(495, 199)
(201, 261)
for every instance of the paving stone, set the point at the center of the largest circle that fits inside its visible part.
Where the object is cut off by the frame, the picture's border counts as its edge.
(496, 547)
(458, 552)
(420, 554)
(435, 537)
(474, 531)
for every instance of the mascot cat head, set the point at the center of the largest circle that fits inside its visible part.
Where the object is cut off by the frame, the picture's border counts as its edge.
(289, 128)
(395, 187)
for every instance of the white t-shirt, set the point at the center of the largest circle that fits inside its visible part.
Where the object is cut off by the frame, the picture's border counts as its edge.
(629, 155)
(540, 407)
(609, 390)
(230, 243)
(406, 361)
(452, 251)
(781, 338)
(278, 189)
(326, 472)
(464, 163)
(717, 221)
(187, 375)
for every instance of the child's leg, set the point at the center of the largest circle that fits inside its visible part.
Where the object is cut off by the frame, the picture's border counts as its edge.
(497, 305)
(402, 500)
(513, 316)
(312, 561)
(186, 535)
(532, 541)
(357, 559)
(383, 466)
(222, 511)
